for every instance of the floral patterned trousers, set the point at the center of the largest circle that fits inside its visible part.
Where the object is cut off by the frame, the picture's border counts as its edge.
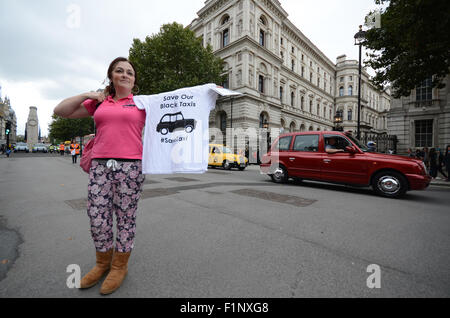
(114, 188)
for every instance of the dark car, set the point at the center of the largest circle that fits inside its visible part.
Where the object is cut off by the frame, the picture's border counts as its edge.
(171, 122)
(339, 158)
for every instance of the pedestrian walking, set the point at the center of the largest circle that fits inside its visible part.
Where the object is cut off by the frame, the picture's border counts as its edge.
(441, 164)
(433, 162)
(426, 158)
(419, 154)
(115, 176)
(446, 161)
(61, 149)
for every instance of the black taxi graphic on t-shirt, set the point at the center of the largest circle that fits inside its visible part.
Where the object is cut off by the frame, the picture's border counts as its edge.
(171, 122)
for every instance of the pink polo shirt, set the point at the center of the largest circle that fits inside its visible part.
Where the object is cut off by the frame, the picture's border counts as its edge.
(119, 128)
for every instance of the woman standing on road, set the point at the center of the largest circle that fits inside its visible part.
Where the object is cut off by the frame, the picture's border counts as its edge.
(115, 176)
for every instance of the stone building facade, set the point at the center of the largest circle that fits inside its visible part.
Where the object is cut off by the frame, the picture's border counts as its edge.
(375, 104)
(422, 119)
(288, 84)
(7, 114)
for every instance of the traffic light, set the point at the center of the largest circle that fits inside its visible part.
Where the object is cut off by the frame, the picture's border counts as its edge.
(8, 127)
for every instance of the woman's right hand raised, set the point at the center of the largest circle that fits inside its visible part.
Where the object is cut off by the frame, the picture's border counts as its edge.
(99, 96)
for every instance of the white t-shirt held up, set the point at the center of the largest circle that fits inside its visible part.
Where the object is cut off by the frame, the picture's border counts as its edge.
(176, 134)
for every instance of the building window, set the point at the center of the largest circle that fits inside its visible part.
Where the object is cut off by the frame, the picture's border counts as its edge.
(261, 37)
(261, 84)
(341, 91)
(226, 82)
(303, 57)
(223, 122)
(350, 90)
(302, 102)
(303, 71)
(318, 110)
(225, 19)
(225, 37)
(310, 106)
(292, 99)
(423, 92)
(262, 20)
(424, 133)
(293, 50)
(281, 41)
(292, 65)
(351, 78)
(310, 76)
(281, 94)
(350, 114)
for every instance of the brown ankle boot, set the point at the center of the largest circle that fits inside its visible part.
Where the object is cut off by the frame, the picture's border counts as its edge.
(119, 269)
(102, 266)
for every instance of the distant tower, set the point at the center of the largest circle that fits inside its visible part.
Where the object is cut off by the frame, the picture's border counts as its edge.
(32, 127)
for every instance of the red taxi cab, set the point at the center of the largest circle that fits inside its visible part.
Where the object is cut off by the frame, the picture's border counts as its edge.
(337, 157)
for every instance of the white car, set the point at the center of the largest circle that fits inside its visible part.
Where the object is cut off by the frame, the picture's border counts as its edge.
(21, 146)
(40, 148)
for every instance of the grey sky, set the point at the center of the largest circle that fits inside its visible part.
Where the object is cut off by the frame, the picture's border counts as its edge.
(53, 49)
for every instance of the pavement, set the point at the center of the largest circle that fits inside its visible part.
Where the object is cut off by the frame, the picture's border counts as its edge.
(224, 234)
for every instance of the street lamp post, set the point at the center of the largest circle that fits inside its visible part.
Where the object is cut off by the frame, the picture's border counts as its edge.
(359, 40)
(338, 121)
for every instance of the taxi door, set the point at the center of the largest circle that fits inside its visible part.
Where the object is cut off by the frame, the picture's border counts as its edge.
(343, 167)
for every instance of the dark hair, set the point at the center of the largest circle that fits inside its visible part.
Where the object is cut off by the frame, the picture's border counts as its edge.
(110, 90)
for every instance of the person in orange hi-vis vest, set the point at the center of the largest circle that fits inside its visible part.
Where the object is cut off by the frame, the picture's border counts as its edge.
(61, 149)
(74, 151)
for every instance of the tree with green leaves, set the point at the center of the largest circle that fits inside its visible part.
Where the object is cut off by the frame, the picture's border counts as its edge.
(172, 59)
(63, 129)
(411, 44)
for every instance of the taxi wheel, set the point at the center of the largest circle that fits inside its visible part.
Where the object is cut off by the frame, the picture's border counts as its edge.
(241, 168)
(226, 165)
(279, 174)
(189, 128)
(390, 184)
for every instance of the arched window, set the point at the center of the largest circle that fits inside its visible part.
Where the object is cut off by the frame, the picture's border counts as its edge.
(341, 91)
(292, 127)
(225, 19)
(263, 121)
(262, 20)
(350, 90)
